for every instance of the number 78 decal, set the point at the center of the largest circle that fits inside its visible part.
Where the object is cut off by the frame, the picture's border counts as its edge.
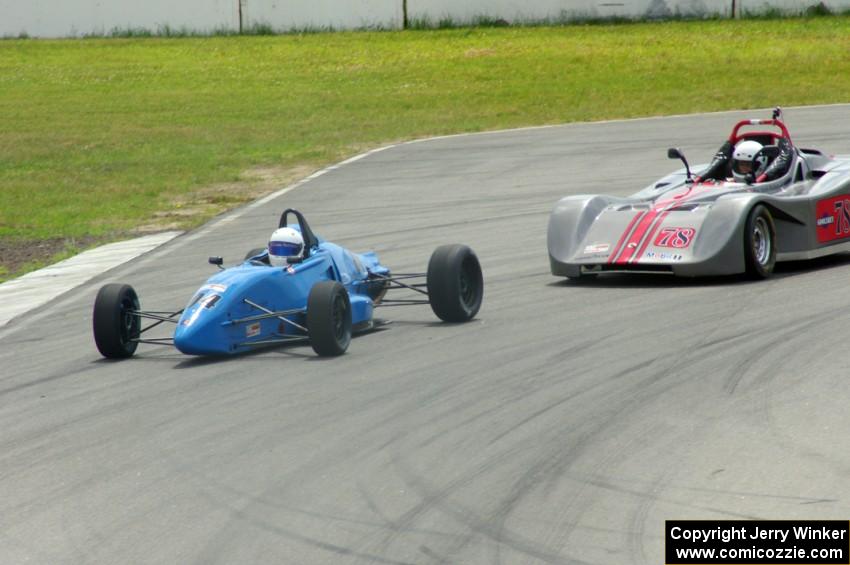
(675, 237)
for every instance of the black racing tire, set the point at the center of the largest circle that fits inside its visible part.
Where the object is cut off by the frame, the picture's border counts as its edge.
(759, 243)
(329, 318)
(115, 327)
(455, 283)
(254, 252)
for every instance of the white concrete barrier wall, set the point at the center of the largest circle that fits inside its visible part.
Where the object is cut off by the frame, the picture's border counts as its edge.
(60, 18)
(283, 15)
(518, 11)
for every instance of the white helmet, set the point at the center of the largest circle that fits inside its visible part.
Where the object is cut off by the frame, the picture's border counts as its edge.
(283, 244)
(747, 161)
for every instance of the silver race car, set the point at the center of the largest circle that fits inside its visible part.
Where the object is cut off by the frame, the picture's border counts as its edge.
(759, 201)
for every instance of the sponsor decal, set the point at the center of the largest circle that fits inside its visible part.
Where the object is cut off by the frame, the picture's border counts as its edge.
(675, 237)
(597, 248)
(595, 256)
(290, 269)
(206, 302)
(663, 256)
(252, 330)
(833, 218)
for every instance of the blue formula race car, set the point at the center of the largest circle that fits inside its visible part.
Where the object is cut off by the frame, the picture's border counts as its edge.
(323, 294)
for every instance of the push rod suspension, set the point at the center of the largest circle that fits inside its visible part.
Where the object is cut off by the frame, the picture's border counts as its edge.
(278, 315)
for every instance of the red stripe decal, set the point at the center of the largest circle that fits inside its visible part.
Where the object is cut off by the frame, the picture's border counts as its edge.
(623, 237)
(637, 236)
(649, 236)
(628, 253)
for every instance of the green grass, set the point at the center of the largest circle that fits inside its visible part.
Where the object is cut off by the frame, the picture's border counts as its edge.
(98, 135)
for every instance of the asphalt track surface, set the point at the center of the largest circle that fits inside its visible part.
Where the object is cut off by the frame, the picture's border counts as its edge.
(563, 425)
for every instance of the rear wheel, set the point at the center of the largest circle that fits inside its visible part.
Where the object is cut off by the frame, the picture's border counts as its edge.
(759, 243)
(329, 318)
(115, 324)
(455, 283)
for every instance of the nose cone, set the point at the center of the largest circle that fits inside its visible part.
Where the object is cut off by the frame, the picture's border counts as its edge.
(196, 341)
(200, 330)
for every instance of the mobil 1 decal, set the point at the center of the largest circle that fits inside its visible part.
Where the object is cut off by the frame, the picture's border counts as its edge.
(832, 217)
(675, 237)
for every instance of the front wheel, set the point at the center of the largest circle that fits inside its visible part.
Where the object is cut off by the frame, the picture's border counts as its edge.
(115, 322)
(455, 283)
(329, 318)
(759, 243)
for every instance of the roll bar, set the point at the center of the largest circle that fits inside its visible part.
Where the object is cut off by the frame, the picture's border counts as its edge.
(310, 239)
(734, 137)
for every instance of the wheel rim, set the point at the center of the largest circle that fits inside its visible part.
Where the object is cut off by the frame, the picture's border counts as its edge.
(761, 241)
(130, 323)
(340, 311)
(468, 284)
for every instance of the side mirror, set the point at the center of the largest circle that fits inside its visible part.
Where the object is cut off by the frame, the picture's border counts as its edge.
(676, 153)
(294, 260)
(217, 261)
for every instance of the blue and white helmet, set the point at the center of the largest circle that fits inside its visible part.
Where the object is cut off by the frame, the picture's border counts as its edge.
(283, 244)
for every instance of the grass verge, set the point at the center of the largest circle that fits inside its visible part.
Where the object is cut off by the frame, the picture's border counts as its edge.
(102, 138)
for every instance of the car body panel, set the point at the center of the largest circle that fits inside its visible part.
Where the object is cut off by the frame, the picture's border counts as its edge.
(696, 227)
(213, 323)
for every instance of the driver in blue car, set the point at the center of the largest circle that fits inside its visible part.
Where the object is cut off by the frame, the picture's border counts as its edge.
(284, 244)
